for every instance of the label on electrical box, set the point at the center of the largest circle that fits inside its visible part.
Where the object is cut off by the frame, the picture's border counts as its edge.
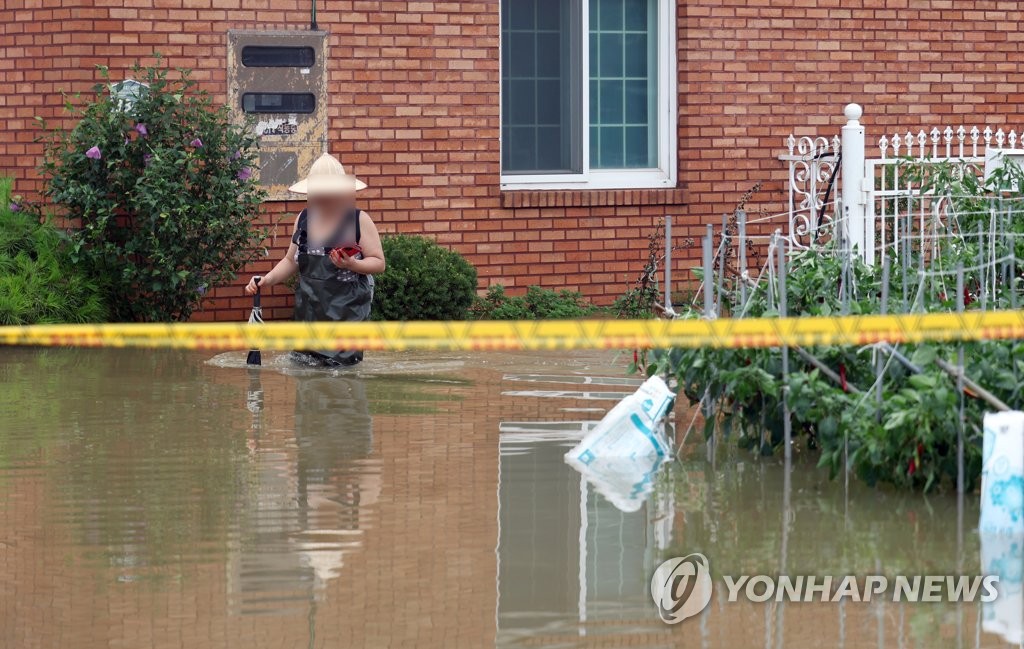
(285, 126)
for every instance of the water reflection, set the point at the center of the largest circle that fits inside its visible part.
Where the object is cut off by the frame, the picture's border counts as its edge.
(1003, 555)
(305, 505)
(575, 548)
(144, 472)
(574, 562)
(149, 499)
(625, 482)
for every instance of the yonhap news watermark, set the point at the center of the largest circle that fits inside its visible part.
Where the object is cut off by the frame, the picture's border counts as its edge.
(681, 587)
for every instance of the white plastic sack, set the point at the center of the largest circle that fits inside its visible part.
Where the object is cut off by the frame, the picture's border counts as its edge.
(1002, 522)
(632, 429)
(1002, 474)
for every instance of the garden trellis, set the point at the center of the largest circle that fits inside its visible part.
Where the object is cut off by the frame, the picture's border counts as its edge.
(929, 224)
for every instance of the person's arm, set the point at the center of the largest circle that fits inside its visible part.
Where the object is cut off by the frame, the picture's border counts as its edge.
(372, 262)
(284, 269)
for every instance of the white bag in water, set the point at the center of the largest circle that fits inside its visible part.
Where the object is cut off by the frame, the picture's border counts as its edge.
(1002, 474)
(632, 429)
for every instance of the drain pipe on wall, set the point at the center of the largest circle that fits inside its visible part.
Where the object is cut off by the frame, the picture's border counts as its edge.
(312, 16)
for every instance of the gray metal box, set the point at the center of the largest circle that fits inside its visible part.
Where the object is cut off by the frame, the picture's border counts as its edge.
(279, 79)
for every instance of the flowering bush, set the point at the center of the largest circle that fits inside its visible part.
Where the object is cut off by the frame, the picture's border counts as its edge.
(158, 183)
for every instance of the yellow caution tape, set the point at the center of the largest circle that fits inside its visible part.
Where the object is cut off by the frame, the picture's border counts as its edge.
(533, 335)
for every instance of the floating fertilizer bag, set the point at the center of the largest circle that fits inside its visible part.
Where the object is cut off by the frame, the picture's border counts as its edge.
(1002, 474)
(632, 429)
(1001, 524)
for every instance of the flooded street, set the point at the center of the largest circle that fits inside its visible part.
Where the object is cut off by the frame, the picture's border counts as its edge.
(166, 499)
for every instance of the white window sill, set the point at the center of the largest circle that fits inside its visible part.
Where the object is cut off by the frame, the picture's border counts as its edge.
(652, 179)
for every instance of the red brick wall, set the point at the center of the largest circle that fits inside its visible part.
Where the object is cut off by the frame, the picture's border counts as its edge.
(414, 89)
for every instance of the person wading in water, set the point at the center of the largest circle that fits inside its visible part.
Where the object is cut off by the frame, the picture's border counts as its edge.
(335, 250)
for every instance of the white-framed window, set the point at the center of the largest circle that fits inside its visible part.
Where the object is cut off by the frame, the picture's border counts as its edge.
(588, 94)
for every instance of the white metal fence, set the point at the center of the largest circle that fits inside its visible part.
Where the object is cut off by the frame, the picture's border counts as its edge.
(877, 204)
(812, 166)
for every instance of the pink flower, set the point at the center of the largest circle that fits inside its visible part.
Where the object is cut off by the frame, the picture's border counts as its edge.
(141, 129)
(94, 153)
(146, 158)
(14, 207)
(237, 154)
(197, 143)
(245, 173)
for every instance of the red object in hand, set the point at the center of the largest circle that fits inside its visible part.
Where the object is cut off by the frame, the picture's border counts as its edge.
(350, 250)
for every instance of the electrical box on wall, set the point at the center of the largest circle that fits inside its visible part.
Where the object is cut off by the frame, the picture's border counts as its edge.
(278, 79)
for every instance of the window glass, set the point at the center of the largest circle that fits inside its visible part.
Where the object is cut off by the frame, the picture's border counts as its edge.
(550, 100)
(537, 86)
(623, 75)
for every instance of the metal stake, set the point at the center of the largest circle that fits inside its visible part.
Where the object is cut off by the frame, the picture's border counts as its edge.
(668, 267)
(904, 243)
(721, 262)
(981, 266)
(884, 310)
(741, 219)
(787, 425)
(960, 385)
(708, 276)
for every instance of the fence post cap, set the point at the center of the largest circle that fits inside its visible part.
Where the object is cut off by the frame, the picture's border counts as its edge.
(853, 112)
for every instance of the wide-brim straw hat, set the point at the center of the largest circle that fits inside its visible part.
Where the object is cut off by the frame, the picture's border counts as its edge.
(327, 176)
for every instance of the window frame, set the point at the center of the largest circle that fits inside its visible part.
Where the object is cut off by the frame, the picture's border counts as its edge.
(662, 177)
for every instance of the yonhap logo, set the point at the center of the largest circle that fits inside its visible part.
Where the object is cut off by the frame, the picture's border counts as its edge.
(681, 587)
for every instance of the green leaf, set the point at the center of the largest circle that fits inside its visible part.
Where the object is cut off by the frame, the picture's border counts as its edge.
(923, 355)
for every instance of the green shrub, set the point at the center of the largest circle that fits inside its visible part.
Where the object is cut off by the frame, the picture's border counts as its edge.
(537, 304)
(638, 302)
(423, 281)
(161, 192)
(39, 283)
(499, 305)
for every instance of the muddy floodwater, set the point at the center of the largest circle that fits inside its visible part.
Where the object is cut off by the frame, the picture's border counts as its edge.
(170, 499)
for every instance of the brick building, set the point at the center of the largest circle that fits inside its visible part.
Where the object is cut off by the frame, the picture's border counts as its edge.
(543, 139)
